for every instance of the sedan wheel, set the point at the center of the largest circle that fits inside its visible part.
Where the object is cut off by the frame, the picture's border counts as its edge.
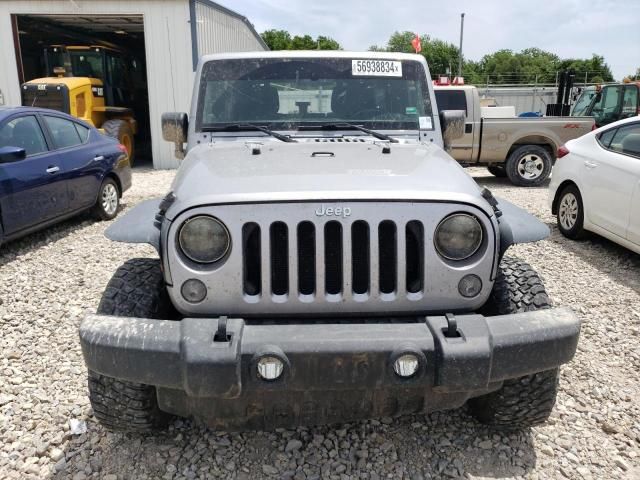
(570, 213)
(108, 201)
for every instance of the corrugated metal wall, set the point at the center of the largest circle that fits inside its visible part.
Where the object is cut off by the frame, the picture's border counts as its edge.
(218, 32)
(167, 43)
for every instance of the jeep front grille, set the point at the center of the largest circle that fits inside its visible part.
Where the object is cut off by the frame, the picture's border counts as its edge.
(346, 254)
(312, 258)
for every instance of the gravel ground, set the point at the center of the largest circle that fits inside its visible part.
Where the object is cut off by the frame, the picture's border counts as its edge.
(51, 278)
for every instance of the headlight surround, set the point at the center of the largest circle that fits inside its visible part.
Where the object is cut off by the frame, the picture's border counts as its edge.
(204, 239)
(458, 236)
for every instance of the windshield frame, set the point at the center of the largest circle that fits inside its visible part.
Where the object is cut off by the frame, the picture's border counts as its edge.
(413, 69)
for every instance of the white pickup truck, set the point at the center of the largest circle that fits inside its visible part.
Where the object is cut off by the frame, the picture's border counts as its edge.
(521, 148)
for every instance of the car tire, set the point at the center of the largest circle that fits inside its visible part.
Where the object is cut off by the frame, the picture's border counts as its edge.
(108, 202)
(529, 166)
(570, 213)
(497, 171)
(525, 401)
(137, 289)
(121, 131)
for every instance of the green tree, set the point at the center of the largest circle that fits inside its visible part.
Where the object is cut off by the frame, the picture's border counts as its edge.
(277, 39)
(441, 56)
(304, 42)
(586, 69)
(327, 43)
(282, 40)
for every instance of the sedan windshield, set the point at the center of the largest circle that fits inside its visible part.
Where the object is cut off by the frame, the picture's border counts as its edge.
(289, 93)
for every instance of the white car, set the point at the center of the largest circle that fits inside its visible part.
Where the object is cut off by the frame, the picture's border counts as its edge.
(595, 184)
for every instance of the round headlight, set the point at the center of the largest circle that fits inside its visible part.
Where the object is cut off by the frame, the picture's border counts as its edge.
(458, 236)
(204, 239)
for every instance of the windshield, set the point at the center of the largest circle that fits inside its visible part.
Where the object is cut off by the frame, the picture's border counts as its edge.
(285, 94)
(583, 102)
(77, 63)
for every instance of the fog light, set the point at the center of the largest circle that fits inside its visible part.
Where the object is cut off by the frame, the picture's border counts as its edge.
(193, 291)
(470, 286)
(406, 365)
(270, 368)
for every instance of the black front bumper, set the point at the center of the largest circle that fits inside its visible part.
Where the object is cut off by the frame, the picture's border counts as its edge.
(332, 372)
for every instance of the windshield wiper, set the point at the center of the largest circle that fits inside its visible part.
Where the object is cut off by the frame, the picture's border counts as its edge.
(348, 126)
(239, 127)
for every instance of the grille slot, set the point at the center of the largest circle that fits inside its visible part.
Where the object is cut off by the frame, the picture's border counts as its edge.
(414, 237)
(318, 260)
(251, 259)
(360, 257)
(333, 257)
(279, 258)
(306, 258)
(387, 256)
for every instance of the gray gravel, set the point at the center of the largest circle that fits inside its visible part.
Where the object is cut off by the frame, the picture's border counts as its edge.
(51, 278)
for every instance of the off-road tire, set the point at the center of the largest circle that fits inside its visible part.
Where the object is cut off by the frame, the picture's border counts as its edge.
(536, 151)
(99, 211)
(119, 129)
(526, 401)
(518, 288)
(577, 231)
(521, 403)
(136, 289)
(497, 171)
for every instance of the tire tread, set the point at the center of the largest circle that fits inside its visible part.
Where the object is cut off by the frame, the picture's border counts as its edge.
(136, 290)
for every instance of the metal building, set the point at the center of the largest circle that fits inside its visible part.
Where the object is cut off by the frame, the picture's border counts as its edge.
(168, 36)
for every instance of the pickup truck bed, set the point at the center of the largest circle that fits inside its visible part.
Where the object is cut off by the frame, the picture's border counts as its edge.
(524, 149)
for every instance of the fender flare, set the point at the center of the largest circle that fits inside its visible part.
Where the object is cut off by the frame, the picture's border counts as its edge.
(518, 226)
(137, 225)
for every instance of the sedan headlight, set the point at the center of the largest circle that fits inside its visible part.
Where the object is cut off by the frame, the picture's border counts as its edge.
(458, 236)
(204, 239)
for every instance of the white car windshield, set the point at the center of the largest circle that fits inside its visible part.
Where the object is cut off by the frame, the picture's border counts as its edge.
(289, 93)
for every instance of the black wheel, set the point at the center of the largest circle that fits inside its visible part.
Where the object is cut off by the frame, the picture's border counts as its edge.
(526, 401)
(497, 171)
(121, 131)
(529, 165)
(136, 289)
(570, 214)
(108, 202)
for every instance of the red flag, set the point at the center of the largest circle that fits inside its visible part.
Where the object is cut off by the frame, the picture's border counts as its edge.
(416, 44)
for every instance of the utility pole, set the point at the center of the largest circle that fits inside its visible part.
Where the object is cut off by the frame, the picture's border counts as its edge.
(460, 52)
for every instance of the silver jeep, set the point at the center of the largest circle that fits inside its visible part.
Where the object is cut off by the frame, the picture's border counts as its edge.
(322, 259)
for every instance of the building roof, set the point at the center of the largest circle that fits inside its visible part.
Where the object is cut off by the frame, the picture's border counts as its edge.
(234, 14)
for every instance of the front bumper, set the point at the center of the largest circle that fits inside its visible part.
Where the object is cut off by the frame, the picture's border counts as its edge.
(332, 372)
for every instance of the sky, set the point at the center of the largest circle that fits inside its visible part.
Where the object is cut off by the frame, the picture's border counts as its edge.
(568, 28)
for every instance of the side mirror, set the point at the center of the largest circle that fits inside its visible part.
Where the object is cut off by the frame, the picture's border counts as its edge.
(452, 124)
(175, 126)
(12, 154)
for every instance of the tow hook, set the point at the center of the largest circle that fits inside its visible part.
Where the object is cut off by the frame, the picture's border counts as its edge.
(221, 335)
(452, 326)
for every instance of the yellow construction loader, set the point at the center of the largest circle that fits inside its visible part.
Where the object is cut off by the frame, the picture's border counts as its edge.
(88, 83)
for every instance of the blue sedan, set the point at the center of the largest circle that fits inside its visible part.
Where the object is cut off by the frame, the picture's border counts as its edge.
(54, 166)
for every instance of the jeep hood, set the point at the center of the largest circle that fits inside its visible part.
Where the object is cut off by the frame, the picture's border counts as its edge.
(319, 171)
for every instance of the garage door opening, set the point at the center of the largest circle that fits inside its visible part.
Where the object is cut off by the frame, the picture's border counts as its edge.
(109, 48)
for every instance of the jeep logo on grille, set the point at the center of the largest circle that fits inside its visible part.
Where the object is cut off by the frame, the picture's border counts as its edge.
(324, 211)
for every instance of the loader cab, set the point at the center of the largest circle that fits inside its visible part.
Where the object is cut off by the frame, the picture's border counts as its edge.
(119, 73)
(612, 103)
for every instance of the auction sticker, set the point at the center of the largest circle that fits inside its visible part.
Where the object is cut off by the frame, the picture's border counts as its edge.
(377, 68)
